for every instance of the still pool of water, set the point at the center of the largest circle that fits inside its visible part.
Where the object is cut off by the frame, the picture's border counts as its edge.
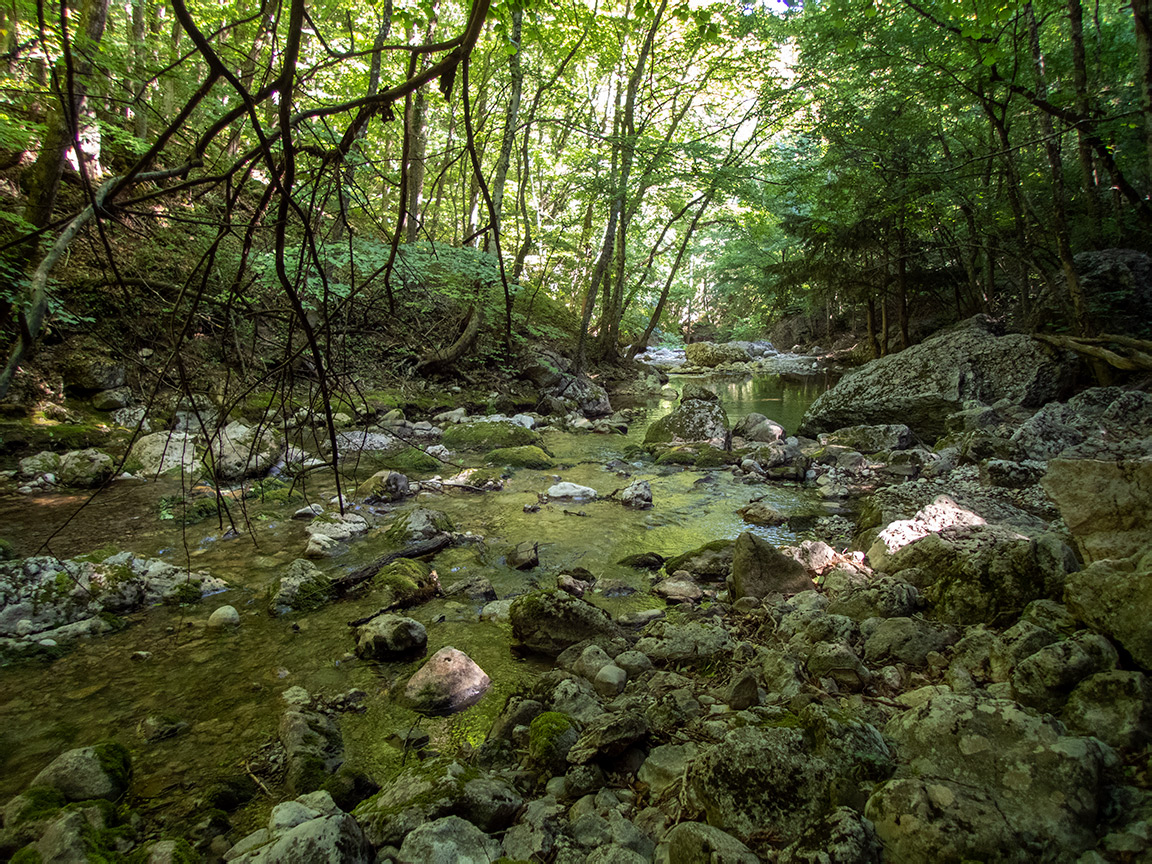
(227, 686)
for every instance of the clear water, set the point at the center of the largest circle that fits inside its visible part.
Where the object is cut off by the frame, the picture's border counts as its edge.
(228, 686)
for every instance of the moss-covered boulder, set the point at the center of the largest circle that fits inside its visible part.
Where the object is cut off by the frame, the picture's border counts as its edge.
(406, 582)
(100, 771)
(712, 354)
(417, 525)
(384, 485)
(303, 587)
(411, 460)
(692, 420)
(421, 792)
(550, 737)
(489, 436)
(758, 570)
(710, 562)
(547, 622)
(527, 456)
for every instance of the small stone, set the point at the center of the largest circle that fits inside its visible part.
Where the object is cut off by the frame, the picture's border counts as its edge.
(610, 680)
(309, 512)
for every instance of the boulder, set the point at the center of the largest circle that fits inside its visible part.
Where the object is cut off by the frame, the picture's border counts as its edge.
(489, 436)
(1098, 423)
(1114, 706)
(100, 771)
(923, 384)
(608, 736)
(878, 597)
(905, 640)
(449, 682)
(665, 642)
(85, 469)
(224, 618)
(711, 562)
(1106, 505)
(942, 513)
(571, 490)
(88, 371)
(302, 587)
(713, 354)
(842, 837)
(547, 622)
(758, 428)
(524, 456)
(1113, 597)
(390, 637)
(758, 570)
(871, 439)
(310, 829)
(385, 485)
(982, 779)
(1044, 679)
(418, 793)
(523, 556)
(164, 453)
(418, 525)
(759, 513)
(240, 451)
(448, 840)
(694, 420)
(111, 400)
(700, 843)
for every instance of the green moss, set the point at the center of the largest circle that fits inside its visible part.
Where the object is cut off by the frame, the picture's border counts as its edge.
(527, 456)
(489, 436)
(28, 855)
(99, 556)
(306, 773)
(37, 802)
(403, 576)
(711, 458)
(7, 550)
(677, 563)
(272, 491)
(186, 592)
(549, 735)
(677, 456)
(411, 459)
(115, 761)
(186, 511)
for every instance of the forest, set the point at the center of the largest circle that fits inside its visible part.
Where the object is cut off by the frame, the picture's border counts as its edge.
(645, 171)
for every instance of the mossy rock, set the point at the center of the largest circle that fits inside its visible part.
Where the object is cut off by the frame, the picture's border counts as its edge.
(695, 420)
(34, 804)
(406, 582)
(178, 851)
(420, 523)
(711, 561)
(550, 737)
(712, 457)
(527, 456)
(489, 436)
(411, 459)
(28, 855)
(677, 456)
(7, 550)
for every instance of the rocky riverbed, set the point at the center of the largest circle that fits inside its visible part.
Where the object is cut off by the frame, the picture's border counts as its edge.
(920, 637)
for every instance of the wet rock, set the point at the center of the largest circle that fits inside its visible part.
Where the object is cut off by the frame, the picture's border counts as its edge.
(711, 562)
(302, 587)
(309, 829)
(389, 637)
(449, 682)
(313, 749)
(758, 570)
(921, 385)
(1113, 596)
(638, 495)
(1114, 706)
(406, 582)
(551, 736)
(385, 485)
(486, 437)
(224, 617)
(871, 439)
(841, 837)
(449, 840)
(759, 513)
(100, 771)
(157, 727)
(713, 354)
(477, 588)
(758, 428)
(571, 490)
(547, 622)
(164, 453)
(906, 640)
(524, 456)
(1015, 781)
(524, 556)
(418, 525)
(1044, 679)
(699, 843)
(1106, 505)
(643, 561)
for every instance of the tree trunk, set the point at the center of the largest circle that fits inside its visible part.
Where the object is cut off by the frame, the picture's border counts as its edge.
(1083, 148)
(1142, 15)
(516, 82)
(139, 69)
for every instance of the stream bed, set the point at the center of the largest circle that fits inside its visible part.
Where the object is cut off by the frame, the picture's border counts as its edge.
(227, 686)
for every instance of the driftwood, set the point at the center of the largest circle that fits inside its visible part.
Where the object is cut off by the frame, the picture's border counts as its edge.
(1137, 356)
(344, 584)
(438, 358)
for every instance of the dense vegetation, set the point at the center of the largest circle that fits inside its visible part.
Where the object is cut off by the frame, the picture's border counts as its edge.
(348, 180)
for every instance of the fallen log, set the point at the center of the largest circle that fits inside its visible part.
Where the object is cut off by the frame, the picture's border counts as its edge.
(344, 584)
(438, 359)
(1139, 357)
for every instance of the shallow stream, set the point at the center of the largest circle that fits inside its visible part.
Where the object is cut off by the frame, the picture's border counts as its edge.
(227, 686)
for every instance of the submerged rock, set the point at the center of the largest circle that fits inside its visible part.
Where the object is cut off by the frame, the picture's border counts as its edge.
(389, 637)
(638, 495)
(547, 622)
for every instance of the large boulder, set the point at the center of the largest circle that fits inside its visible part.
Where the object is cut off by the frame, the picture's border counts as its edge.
(711, 562)
(758, 428)
(100, 771)
(1106, 505)
(311, 828)
(758, 570)
(1117, 288)
(547, 622)
(698, 418)
(981, 779)
(164, 453)
(1113, 597)
(85, 469)
(713, 354)
(448, 839)
(872, 439)
(239, 450)
(1099, 423)
(390, 637)
(489, 436)
(923, 384)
